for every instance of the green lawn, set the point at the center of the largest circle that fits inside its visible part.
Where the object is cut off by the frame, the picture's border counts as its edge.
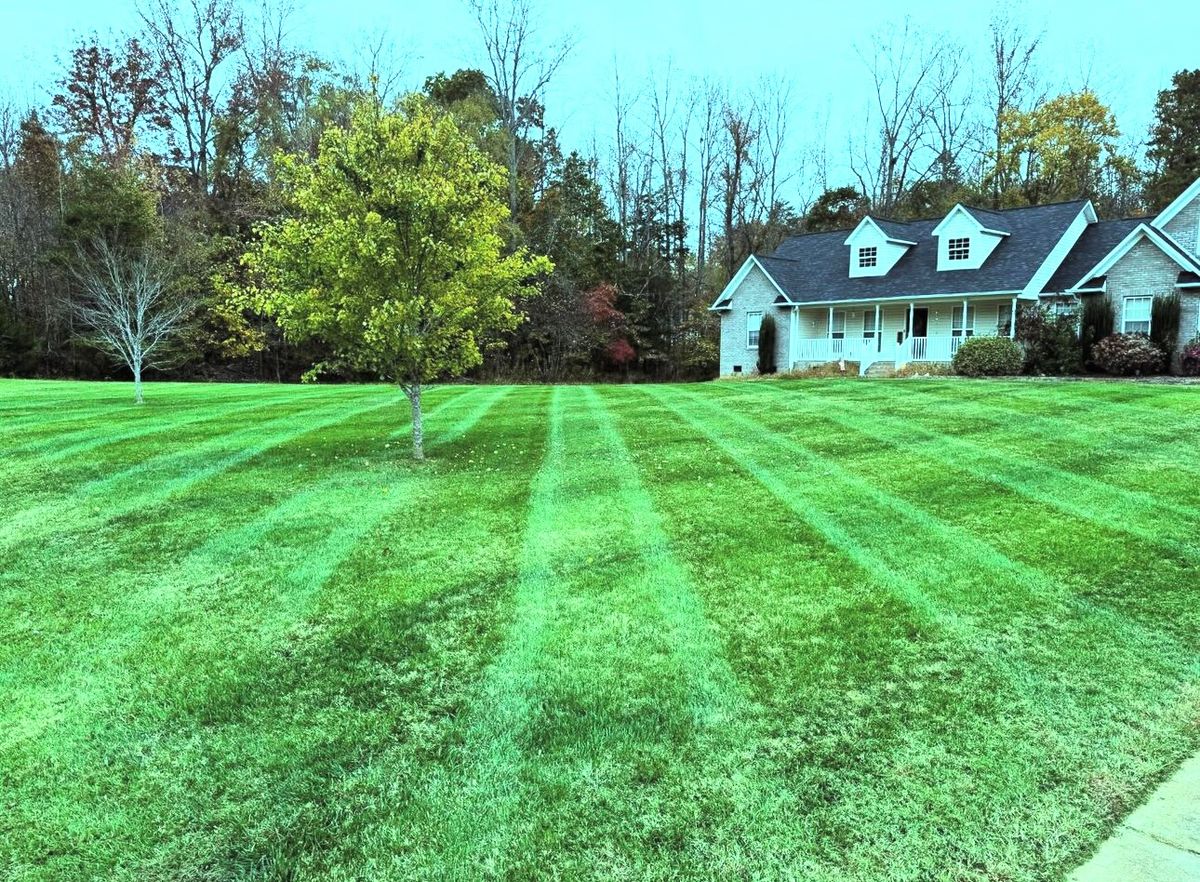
(892, 630)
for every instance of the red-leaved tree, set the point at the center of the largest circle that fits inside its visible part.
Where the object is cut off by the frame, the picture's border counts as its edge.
(611, 323)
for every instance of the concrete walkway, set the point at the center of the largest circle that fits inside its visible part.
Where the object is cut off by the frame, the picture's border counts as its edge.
(1160, 842)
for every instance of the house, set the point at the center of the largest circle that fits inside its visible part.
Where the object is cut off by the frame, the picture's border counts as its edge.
(891, 293)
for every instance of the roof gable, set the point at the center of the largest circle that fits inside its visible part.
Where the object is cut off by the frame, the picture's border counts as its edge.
(889, 231)
(1143, 231)
(725, 298)
(1182, 201)
(980, 219)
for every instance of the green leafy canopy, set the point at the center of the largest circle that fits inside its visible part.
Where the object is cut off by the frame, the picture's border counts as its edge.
(391, 253)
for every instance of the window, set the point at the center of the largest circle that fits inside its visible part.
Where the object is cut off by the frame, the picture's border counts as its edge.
(868, 256)
(1136, 317)
(956, 322)
(869, 329)
(753, 323)
(838, 330)
(960, 249)
(1003, 320)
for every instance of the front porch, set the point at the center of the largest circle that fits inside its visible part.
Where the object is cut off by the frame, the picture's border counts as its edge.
(900, 333)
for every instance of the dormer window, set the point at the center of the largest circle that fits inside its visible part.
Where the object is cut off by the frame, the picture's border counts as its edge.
(959, 249)
(868, 256)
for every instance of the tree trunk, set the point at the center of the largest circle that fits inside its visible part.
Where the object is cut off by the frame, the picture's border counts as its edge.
(137, 384)
(513, 172)
(418, 432)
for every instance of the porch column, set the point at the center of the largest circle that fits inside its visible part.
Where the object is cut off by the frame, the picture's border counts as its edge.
(1012, 326)
(964, 327)
(878, 331)
(794, 338)
(911, 308)
(829, 333)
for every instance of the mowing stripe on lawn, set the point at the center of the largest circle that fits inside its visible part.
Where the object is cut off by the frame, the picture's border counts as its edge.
(942, 544)
(359, 506)
(36, 521)
(1113, 507)
(1140, 424)
(56, 446)
(73, 408)
(512, 776)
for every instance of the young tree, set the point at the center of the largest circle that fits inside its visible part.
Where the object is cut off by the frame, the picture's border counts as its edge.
(129, 306)
(1175, 139)
(392, 254)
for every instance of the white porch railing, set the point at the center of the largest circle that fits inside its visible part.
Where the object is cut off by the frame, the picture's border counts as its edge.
(824, 349)
(929, 348)
(868, 350)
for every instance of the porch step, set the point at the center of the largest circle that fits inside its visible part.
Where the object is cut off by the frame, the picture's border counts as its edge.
(881, 369)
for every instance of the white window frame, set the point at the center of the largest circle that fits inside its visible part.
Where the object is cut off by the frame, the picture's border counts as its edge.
(958, 248)
(870, 332)
(753, 326)
(868, 256)
(1003, 319)
(957, 330)
(834, 333)
(1125, 321)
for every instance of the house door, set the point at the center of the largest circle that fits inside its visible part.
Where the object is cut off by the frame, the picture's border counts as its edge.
(920, 322)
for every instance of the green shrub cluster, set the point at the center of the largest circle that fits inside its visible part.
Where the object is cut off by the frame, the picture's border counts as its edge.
(1190, 358)
(988, 357)
(1128, 355)
(1050, 342)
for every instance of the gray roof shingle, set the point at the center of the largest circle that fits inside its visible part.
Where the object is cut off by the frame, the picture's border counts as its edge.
(814, 267)
(1097, 240)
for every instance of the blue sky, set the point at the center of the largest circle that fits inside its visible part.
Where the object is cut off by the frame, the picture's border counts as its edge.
(1127, 55)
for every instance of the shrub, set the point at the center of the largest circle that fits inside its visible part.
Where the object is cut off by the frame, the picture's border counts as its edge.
(828, 369)
(766, 345)
(1190, 358)
(988, 357)
(1097, 320)
(1128, 355)
(1050, 342)
(1164, 322)
(925, 369)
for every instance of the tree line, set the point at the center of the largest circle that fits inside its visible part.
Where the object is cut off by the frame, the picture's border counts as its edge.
(176, 146)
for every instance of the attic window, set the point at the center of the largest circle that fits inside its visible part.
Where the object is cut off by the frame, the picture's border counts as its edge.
(960, 249)
(868, 256)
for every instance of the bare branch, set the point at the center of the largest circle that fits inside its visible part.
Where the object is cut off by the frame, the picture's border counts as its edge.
(129, 306)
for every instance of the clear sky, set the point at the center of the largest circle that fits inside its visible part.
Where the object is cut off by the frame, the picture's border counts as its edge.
(1126, 51)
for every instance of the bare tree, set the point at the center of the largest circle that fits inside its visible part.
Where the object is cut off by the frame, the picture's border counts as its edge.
(381, 66)
(712, 99)
(1014, 78)
(192, 39)
(129, 306)
(518, 72)
(902, 71)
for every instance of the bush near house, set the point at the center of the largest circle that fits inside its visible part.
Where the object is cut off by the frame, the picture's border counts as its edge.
(766, 345)
(1128, 355)
(988, 357)
(1165, 311)
(1097, 320)
(1050, 342)
(1189, 359)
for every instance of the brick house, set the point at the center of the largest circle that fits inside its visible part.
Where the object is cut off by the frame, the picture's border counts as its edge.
(889, 293)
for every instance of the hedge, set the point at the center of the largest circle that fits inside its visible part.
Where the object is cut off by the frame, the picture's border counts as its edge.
(988, 357)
